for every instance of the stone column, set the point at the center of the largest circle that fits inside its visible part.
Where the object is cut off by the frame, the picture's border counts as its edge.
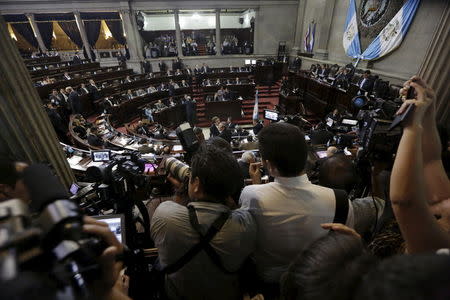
(323, 29)
(218, 37)
(25, 128)
(133, 40)
(298, 41)
(82, 30)
(36, 31)
(178, 33)
(434, 69)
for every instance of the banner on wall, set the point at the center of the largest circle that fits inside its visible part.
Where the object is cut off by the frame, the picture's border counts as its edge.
(309, 37)
(390, 37)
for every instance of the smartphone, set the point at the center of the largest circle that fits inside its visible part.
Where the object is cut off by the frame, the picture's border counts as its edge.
(409, 110)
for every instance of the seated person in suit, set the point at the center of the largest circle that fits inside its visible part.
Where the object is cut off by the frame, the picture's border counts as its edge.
(159, 105)
(334, 115)
(169, 73)
(151, 89)
(174, 84)
(55, 98)
(218, 82)
(230, 124)
(93, 138)
(325, 71)
(226, 95)
(320, 135)
(184, 83)
(248, 157)
(224, 132)
(214, 128)
(148, 112)
(83, 89)
(92, 86)
(129, 95)
(162, 87)
(79, 128)
(142, 129)
(219, 94)
(178, 72)
(172, 103)
(127, 79)
(206, 82)
(237, 81)
(365, 84)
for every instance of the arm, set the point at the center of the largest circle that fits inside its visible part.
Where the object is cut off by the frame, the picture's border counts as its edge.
(408, 191)
(435, 176)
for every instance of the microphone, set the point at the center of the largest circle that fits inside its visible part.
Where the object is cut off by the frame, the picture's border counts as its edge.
(43, 186)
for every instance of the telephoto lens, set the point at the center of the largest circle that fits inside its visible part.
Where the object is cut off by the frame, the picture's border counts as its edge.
(176, 168)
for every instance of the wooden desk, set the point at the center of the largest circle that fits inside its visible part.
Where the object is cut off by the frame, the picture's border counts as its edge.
(60, 70)
(246, 91)
(42, 60)
(172, 116)
(223, 109)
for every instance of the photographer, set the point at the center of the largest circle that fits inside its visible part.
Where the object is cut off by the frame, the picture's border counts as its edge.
(177, 229)
(418, 177)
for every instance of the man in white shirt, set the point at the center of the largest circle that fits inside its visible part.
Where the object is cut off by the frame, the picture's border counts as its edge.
(289, 211)
(215, 177)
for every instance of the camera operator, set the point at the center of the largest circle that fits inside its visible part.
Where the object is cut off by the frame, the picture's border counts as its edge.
(11, 183)
(339, 172)
(215, 177)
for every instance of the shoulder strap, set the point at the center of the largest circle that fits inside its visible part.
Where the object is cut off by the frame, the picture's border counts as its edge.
(207, 246)
(215, 227)
(340, 215)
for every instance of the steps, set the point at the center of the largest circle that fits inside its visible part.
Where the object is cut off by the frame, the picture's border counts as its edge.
(201, 50)
(268, 97)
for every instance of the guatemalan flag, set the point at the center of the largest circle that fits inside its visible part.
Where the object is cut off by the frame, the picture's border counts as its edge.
(350, 40)
(306, 40)
(256, 108)
(392, 35)
(313, 33)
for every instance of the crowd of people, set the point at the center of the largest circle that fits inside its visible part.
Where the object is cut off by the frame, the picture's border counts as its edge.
(162, 46)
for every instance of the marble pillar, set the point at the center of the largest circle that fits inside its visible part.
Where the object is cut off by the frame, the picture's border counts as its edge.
(36, 31)
(218, 36)
(82, 30)
(25, 128)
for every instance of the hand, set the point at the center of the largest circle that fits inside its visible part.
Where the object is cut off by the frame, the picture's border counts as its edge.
(424, 101)
(341, 228)
(109, 267)
(255, 172)
(175, 182)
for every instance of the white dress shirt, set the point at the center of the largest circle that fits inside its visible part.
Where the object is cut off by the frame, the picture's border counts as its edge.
(201, 278)
(288, 214)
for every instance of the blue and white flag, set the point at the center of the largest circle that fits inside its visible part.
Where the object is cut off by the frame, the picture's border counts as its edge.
(313, 33)
(306, 40)
(387, 40)
(392, 35)
(352, 45)
(255, 108)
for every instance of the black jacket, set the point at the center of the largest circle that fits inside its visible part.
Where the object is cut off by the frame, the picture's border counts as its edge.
(213, 131)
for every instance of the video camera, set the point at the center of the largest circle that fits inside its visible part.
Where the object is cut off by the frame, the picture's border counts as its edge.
(51, 245)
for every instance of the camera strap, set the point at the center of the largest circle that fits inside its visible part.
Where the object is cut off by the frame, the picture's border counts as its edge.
(341, 213)
(203, 244)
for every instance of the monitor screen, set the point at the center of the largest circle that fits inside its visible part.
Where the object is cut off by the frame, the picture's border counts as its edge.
(349, 122)
(248, 62)
(100, 155)
(149, 168)
(177, 148)
(74, 188)
(270, 115)
(116, 224)
(321, 154)
(253, 61)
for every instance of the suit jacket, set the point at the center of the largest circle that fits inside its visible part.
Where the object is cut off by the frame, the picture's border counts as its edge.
(76, 60)
(244, 169)
(213, 131)
(367, 86)
(75, 103)
(226, 135)
(84, 91)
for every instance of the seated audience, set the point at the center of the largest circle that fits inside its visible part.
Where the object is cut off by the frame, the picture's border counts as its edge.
(93, 138)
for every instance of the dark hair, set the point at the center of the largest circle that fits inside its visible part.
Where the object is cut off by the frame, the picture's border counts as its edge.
(338, 172)
(330, 268)
(221, 144)
(408, 277)
(8, 172)
(367, 72)
(218, 171)
(284, 145)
